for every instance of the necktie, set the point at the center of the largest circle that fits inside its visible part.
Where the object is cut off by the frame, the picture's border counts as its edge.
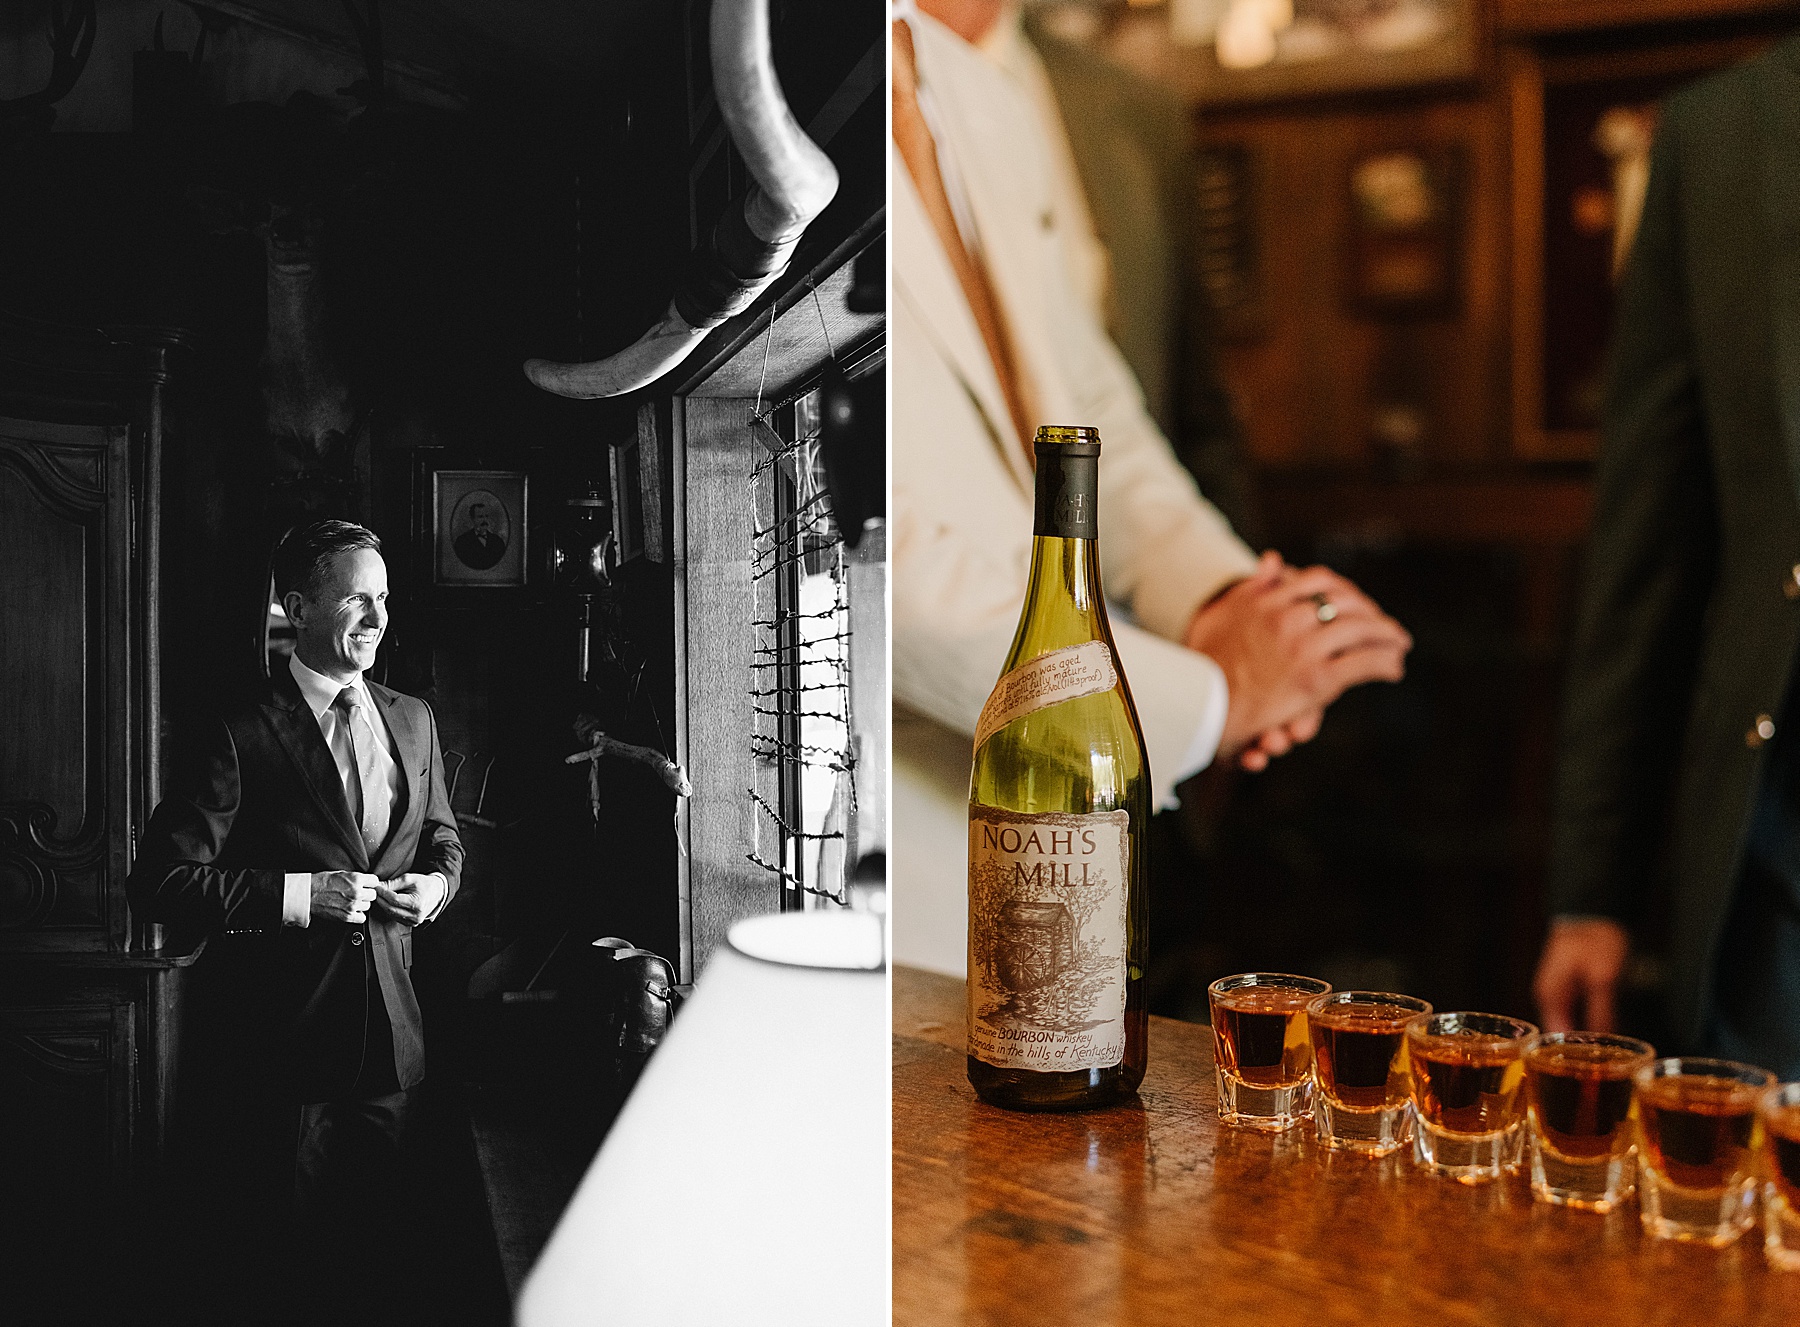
(912, 136)
(368, 760)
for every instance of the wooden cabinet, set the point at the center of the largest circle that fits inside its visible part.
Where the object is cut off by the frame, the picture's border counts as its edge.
(88, 999)
(68, 798)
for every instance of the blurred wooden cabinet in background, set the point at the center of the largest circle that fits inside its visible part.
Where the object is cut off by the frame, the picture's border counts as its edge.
(1507, 370)
(1408, 261)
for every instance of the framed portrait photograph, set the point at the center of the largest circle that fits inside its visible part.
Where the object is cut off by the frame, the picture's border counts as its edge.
(478, 530)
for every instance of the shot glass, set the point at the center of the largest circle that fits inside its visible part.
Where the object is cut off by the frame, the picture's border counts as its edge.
(1260, 1048)
(1780, 1112)
(1696, 1123)
(1361, 1100)
(1468, 1076)
(1579, 1141)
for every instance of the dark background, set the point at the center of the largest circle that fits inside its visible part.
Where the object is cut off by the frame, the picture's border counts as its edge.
(1432, 457)
(507, 181)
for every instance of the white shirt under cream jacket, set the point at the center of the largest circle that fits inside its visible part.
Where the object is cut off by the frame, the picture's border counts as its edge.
(962, 508)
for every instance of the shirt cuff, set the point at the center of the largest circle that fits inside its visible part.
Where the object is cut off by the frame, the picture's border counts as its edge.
(1205, 744)
(296, 898)
(443, 897)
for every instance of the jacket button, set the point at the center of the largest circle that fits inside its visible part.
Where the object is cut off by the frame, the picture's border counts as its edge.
(1790, 583)
(1761, 731)
(356, 936)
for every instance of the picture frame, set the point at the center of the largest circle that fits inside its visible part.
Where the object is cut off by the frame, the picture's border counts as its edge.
(1405, 208)
(626, 473)
(1331, 48)
(479, 528)
(1226, 264)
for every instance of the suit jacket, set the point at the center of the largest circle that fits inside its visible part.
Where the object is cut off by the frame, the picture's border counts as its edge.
(260, 798)
(962, 517)
(1687, 621)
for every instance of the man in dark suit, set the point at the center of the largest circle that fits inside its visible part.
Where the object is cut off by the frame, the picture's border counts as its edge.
(310, 836)
(1679, 762)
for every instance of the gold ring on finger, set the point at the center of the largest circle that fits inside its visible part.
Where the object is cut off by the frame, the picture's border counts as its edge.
(1323, 608)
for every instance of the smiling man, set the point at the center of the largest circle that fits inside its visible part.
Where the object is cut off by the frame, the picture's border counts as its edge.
(310, 836)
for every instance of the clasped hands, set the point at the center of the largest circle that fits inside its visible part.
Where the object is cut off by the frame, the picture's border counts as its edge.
(346, 896)
(1285, 659)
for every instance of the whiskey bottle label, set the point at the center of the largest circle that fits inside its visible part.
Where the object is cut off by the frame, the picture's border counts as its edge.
(1047, 939)
(1049, 679)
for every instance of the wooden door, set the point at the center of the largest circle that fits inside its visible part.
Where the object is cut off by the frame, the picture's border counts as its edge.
(66, 698)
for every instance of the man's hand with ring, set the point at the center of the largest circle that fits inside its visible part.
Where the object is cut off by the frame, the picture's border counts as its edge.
(410, 898)
(1286, 658)
(342, 896)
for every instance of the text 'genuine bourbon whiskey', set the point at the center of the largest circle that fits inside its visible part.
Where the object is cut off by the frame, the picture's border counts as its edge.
(1059, 798)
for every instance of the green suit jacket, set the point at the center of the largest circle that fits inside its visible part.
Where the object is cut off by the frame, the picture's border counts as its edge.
(1686, 627)
(1133, 144)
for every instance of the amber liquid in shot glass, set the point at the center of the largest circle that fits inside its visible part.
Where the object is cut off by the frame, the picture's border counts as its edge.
(1468, 1077)
(1579, 1140)
(1696, 1125)
(1781, 1169)
(1361, 1098)
(1260, 1048)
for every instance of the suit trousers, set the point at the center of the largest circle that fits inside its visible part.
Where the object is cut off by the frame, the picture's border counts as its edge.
(348, 1158)
(353, 1206)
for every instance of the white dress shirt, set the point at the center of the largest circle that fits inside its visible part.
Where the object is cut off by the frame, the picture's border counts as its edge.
(320, 694)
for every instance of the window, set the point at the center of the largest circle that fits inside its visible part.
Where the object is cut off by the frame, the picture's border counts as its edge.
(800, 674)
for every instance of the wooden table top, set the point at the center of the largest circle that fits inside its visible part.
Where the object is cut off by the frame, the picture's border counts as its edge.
(1152, 1212)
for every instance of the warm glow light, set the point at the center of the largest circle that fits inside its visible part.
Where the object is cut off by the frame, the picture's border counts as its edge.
(747, 1179)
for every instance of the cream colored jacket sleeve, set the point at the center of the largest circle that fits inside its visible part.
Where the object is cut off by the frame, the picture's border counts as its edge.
(962, 517)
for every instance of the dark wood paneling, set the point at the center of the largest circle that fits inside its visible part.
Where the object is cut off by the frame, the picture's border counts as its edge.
(42, 583)
(1320, 385)
(1545, 17)
(65, 1095)
(66, 785)
(1504, 508)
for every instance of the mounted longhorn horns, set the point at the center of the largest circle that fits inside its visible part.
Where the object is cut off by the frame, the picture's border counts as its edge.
(753, 241)
(71, 42)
